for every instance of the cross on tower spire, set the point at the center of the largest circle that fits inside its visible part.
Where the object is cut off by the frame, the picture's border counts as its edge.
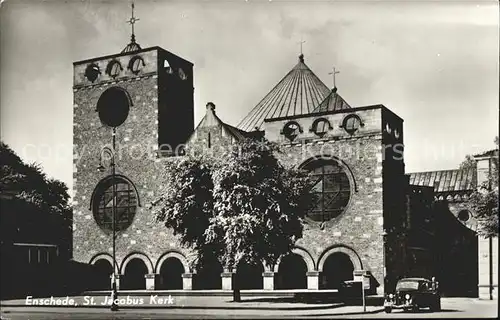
(132, 21)
(301, 57)
(333, 73)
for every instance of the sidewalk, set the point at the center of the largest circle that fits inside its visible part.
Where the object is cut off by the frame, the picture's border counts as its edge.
(154, 301)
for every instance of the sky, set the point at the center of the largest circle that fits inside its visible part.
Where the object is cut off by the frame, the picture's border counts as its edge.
(433, 63)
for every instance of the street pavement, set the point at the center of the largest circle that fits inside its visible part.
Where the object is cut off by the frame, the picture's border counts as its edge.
(262, 308)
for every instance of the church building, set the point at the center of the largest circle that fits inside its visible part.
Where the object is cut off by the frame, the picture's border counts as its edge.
(139, 103)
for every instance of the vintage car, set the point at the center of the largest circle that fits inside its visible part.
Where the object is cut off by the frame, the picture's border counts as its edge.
(413, 294)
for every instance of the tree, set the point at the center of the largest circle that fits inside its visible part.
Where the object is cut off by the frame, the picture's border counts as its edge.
(241, 206)
(484, 200)
(34, 208)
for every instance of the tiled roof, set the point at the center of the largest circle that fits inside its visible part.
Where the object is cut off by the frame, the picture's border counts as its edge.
(489, 153)
(446, 181)
(299, 92)
(235, 132)
(332, 102)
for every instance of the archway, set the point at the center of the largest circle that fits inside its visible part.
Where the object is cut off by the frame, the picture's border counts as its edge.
(102, 274)
(134, 275)
(292, 273)
(209, 275)
(337, 268)
(249, 276)
(171, 271)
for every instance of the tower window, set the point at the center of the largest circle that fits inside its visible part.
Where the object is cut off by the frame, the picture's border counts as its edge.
(167, 67)
(182, 74)
(125, 200)
(352, 123)
(321, 126)
(136, 64)
(113, 106)
(331, 187)
(114, 68)
(291, 130)
(92, 72)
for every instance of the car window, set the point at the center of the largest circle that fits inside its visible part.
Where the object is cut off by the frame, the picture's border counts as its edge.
(424, 286)
(407, 284)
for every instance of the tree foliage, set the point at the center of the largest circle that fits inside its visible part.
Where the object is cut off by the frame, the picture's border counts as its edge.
(239, 206)
(484, 200)
(33, 207)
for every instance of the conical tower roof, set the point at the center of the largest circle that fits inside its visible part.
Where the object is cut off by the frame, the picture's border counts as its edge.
(332, 102)
(298, 93)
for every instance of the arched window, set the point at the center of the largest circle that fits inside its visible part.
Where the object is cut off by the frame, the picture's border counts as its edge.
(92, 72)
(114, 68)
(331, 186)
(125, 200)
(291, 130)
(351, 123)
(321, 126)
(136, 64)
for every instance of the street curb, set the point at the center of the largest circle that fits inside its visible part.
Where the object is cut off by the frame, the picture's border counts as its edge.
(180, 307)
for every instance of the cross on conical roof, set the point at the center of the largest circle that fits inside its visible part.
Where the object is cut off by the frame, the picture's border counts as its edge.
(298, 93)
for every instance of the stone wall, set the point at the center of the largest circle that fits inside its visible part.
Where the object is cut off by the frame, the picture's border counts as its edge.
(136, 158)
(359, 230)
(488, 268)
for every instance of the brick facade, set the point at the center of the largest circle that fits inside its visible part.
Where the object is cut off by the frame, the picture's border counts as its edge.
(370, 231)
(137, 144)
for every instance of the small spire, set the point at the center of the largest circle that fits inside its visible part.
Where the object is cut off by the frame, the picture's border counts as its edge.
(132, 21)
(301, 58)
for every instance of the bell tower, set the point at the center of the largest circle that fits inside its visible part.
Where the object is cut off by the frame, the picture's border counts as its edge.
(140, 101)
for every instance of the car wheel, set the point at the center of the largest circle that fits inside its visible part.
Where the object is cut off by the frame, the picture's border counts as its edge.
(388, 309)
(436, 306)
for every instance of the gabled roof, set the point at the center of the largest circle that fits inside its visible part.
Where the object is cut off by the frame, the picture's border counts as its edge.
(332, 102)
(298, 93)
(458, 180)
(212, 120)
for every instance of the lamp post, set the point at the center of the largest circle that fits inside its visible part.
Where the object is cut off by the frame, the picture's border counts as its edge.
(384, 271)
(101, 168)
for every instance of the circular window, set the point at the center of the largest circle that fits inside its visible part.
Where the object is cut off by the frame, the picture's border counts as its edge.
(92, 72)
(463, 216)
(114, 68)
(136, 64)
(331, 187)
(321, 126)
(113, 106)
(351, 123)
(291, 130)
(124, 200)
